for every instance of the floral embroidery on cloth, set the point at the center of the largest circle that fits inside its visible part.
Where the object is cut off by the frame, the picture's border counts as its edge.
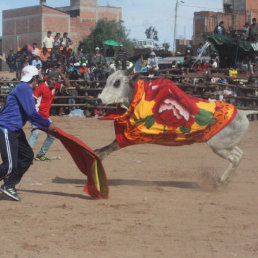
(161, 113)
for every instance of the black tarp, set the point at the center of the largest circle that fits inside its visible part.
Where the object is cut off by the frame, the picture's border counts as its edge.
(233, 49)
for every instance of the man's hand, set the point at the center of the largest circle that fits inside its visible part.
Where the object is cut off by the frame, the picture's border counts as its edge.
(59, 70)
(66, 81)
(51, 128)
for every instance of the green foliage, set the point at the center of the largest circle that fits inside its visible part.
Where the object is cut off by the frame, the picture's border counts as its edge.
(107, 30)
(151, 33)
(166, 46)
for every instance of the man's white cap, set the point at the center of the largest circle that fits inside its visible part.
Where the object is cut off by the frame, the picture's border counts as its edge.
(84, 65)
(97, 48)
(152, 53)
(28, 72)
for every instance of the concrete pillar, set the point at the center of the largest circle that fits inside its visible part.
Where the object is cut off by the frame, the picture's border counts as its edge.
(43, 2)
(83, 3)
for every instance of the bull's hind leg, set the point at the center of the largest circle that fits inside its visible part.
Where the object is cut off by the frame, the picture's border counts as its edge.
(105, 151)
(234, 157)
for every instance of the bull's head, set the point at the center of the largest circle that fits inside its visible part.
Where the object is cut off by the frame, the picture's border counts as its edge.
(119, 89)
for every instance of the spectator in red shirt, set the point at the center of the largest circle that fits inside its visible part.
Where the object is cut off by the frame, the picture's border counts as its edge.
(84, 71)
(44, 95)
(44, 56)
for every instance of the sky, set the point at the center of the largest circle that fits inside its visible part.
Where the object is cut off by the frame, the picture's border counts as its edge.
(141, 14)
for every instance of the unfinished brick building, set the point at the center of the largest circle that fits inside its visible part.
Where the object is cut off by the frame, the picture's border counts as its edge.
(30, 24)
(235, 14)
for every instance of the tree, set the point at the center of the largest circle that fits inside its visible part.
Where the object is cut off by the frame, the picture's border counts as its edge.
(105, 30)
(166, 46)
(151, 33)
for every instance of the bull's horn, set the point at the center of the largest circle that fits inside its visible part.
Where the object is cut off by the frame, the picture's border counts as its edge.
(130, 70)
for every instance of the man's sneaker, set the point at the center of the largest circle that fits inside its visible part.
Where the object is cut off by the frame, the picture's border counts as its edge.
(42, 158)
(11, 192)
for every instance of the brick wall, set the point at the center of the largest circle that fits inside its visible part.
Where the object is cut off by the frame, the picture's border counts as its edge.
(205, 22)
(239, 5)
(252, 5)
(54, 20)
(80, 28)
(21, 12)
(35, 24)
(55, 24)
(110, 13)
(9, 27)
(89, 13)
(27, 25)
(20, 27)
(181, 45)
(107, 15)
(81, 3)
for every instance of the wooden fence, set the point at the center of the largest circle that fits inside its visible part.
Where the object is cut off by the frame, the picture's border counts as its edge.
(83, 94)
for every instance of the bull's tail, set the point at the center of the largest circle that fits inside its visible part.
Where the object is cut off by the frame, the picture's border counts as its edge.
(250, 112)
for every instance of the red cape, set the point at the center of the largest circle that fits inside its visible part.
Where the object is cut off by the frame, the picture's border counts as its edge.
(88, 162)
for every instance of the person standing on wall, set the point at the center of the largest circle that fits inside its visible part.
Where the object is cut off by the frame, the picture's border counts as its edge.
(253, 31)
(48, 40)
(219, 29)
(121, 58)
(66, 41)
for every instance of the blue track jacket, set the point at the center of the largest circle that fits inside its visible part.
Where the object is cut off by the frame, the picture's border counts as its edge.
(20, 108)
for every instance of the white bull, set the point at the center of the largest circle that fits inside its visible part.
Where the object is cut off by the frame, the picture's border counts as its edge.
(120, 89)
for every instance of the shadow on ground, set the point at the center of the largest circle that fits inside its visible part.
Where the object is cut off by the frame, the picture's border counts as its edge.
(81, 196)
(117, 182)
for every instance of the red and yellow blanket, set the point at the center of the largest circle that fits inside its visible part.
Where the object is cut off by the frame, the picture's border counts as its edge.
(161, 113)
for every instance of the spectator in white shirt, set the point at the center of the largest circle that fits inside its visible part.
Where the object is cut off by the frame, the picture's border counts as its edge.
(48, 40)
(66, 41)
(152, 64)
(220, 29)
(35, 50)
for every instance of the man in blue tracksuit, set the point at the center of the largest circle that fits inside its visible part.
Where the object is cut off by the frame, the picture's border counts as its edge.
(17, 155)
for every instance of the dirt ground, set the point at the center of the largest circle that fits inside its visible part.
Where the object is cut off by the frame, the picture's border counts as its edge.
(163, 202)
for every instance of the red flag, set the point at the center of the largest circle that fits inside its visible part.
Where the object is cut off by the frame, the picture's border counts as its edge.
(88, 162)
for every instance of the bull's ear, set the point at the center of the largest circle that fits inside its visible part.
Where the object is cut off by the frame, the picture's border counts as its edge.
(134, 78)
(131, 84)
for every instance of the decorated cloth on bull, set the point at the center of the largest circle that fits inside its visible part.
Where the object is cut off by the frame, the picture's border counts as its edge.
(161, 113)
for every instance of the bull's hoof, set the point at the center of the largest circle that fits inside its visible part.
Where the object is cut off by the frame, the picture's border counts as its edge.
(221, 182)
(96, 151)
(99, 153)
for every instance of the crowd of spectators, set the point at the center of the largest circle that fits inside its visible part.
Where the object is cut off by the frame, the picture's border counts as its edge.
(249, 32)
(75, 62)
(248, 64)
(56, 51)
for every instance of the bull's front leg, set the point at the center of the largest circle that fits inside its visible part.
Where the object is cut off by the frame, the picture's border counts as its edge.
(105, 151)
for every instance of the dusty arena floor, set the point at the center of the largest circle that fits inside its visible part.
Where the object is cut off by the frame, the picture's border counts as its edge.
(163, 202)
